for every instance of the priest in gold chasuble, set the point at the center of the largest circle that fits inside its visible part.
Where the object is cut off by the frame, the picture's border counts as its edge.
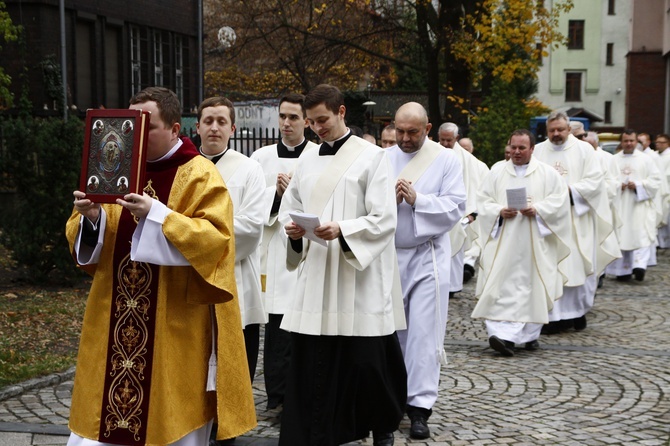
(151, 353)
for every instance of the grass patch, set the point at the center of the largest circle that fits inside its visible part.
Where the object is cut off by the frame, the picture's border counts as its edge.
(39, 329)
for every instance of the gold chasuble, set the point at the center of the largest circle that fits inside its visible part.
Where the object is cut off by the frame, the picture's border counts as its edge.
(147, 333)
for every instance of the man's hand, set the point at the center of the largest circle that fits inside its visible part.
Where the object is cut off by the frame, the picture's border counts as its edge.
(529, 211)
(293, 231)
(283, 180)
(405, 191)
(86, 207)
(630, 185)
(138, 205)
(328, 231)
(508, 213)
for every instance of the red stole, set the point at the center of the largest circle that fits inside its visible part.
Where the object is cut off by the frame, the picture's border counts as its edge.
(125, 406)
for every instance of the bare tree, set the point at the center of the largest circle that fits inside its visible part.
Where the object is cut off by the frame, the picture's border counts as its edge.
(295, 45)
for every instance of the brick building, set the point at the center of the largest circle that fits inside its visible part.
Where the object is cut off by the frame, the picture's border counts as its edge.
(113, 49)
(646, 94)
(615, 67)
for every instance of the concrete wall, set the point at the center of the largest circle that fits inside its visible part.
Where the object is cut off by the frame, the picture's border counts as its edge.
(600, 82)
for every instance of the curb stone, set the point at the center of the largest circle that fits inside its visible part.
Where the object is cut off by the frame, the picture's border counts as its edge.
(36, 383)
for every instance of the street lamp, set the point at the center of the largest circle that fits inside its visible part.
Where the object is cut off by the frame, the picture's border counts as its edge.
(369, 115)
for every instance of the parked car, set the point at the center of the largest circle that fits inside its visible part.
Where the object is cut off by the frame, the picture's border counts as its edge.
(609, 141)
(609, 146)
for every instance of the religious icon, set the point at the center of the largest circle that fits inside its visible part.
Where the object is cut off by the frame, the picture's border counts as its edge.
(127, 127)
(122, 184)
(111, 154)
(93, 184)
(98, 127)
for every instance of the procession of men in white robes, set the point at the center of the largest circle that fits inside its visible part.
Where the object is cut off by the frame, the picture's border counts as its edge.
(591, 247)
(431, 200)
(463, 234)
(347, 374)
(278, 283)
(245, 182)
(524, 245)
(538, 264)
(638, 199)
(662, 144)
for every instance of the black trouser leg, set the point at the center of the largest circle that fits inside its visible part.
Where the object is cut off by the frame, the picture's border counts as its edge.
(251, 342)
(276, 359)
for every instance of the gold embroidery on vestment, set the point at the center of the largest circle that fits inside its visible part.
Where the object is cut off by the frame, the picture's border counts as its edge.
(150, 191)
(129, 348)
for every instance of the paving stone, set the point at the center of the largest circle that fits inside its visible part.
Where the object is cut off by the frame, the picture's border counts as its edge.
(606, 385)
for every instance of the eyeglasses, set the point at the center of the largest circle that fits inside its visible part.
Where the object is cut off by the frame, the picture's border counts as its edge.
(581, 136)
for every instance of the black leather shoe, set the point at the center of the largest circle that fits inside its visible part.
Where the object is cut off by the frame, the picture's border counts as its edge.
(419, 429)
(532, 345)
(468, 273)
(382, 439)
(551, 328)
(624, 278)
(639, 274)
(579, 323)
(505, 348)
(601, 280)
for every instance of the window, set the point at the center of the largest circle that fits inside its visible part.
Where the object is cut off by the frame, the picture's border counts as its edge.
(610, 7)
(84, 62)
(608, 112)
(179, 68)
(135, 59)
(186, 72)
(113, 97)
(576, 35)
(610, 54)
(158, 59)
(139, 58)
(573, 87)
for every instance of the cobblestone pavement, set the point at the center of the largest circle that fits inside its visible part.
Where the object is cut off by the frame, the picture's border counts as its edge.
(607, 385)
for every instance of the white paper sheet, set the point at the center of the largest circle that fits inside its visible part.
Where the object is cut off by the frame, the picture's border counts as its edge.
(516, 198)
(308, 222)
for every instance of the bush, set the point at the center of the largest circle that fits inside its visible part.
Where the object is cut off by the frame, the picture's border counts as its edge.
(42, 160)
(506, 109)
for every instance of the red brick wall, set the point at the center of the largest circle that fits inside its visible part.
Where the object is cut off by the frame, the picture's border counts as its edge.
(646, 92)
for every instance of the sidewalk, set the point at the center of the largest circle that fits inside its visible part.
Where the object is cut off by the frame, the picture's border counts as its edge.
(607, 385)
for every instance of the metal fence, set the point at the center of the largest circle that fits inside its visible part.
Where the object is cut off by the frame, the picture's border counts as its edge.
(247, 140)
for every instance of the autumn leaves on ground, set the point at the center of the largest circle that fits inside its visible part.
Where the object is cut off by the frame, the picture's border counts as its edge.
(39, 326)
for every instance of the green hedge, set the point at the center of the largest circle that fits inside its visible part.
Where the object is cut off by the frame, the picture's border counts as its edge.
(506, 109)
(41, 161)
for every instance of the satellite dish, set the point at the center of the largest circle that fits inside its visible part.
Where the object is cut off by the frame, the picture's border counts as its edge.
(227, 36)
